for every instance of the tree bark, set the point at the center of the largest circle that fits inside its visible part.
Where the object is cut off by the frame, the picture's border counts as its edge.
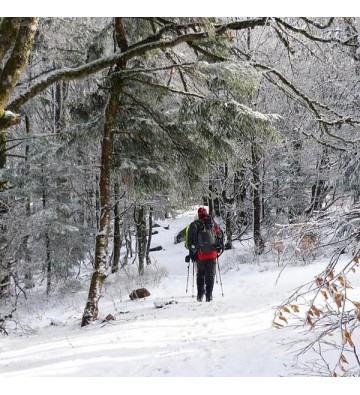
(148, 245)
(117, 229)
(48, 263)
(9, 28)
(259, 243)
(17, 60)
(141, 236)
(102, 238)
(29, 281)
(319, 189)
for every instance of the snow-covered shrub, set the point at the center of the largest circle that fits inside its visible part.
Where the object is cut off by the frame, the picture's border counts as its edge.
(127, 279)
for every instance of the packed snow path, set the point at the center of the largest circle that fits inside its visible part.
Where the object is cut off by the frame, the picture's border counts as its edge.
(231, 336)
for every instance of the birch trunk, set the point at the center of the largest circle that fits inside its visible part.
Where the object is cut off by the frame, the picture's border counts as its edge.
(102, 238)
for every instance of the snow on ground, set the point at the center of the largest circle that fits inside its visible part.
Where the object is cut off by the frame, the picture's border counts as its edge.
(232, 336)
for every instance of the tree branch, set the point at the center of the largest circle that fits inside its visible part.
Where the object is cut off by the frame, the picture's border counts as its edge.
(307, 34)
(17, 60)
(149, 44)
(8, 30)
(168, 88)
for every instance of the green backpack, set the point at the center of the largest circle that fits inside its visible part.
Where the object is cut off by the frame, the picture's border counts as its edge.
(187, 237)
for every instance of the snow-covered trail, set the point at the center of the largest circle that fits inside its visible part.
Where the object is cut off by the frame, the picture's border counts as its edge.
(231, 336)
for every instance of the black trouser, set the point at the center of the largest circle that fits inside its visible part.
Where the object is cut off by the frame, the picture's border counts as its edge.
(205, 276)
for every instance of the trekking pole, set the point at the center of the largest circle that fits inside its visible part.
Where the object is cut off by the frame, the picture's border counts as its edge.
(187, 280)
(222, 291)
(193, 279)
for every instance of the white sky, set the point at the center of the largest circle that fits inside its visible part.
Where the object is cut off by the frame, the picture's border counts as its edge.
(105, 8)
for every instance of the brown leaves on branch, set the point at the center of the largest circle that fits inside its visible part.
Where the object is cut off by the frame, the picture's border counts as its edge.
(295, 308)
(309, 321)
(338, 299)
(348, 339)
(316, 311)
(324, 293)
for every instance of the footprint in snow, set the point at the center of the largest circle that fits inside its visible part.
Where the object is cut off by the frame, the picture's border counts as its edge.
(160, 370)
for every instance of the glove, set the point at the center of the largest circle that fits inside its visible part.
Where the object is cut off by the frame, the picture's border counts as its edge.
(192, 253)
(187, 258)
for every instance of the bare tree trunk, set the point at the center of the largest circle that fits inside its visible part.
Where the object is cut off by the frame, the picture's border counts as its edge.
(259, 243)
(48, 262)
(117, 229)
(17, 35)
(97, 201)
(102, 238)
(319, 189)
(29, 282)
(140, 221)
(128, 245)
(229, 230)
(16, 62)
(210, 198)
(148, 245)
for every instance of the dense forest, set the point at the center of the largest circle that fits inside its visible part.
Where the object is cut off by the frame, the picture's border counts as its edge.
(107, 124)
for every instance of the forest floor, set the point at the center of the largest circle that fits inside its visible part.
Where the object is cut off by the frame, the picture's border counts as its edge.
(232, 336)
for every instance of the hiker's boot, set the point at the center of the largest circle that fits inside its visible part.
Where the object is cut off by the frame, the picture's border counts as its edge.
(200, 282)
(199, 297)
(208, 297)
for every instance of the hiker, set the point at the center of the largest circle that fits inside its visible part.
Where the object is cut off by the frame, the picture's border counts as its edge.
(205, 241)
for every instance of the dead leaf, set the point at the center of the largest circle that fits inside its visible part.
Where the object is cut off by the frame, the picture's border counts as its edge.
(281, 317)
(308, 320)
(319, 281)
(348, 338)
(341, 280)
(316, 311)
(344, 359)
(286, 309)
(295, 308)
(324, 294)
(356, 259)
(331, 274)
(277, 325)
(338, 299)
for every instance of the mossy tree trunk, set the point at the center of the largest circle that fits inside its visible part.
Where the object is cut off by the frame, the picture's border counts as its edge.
(117, 229)
(16, 39)
(102, 238)
(16, 35)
